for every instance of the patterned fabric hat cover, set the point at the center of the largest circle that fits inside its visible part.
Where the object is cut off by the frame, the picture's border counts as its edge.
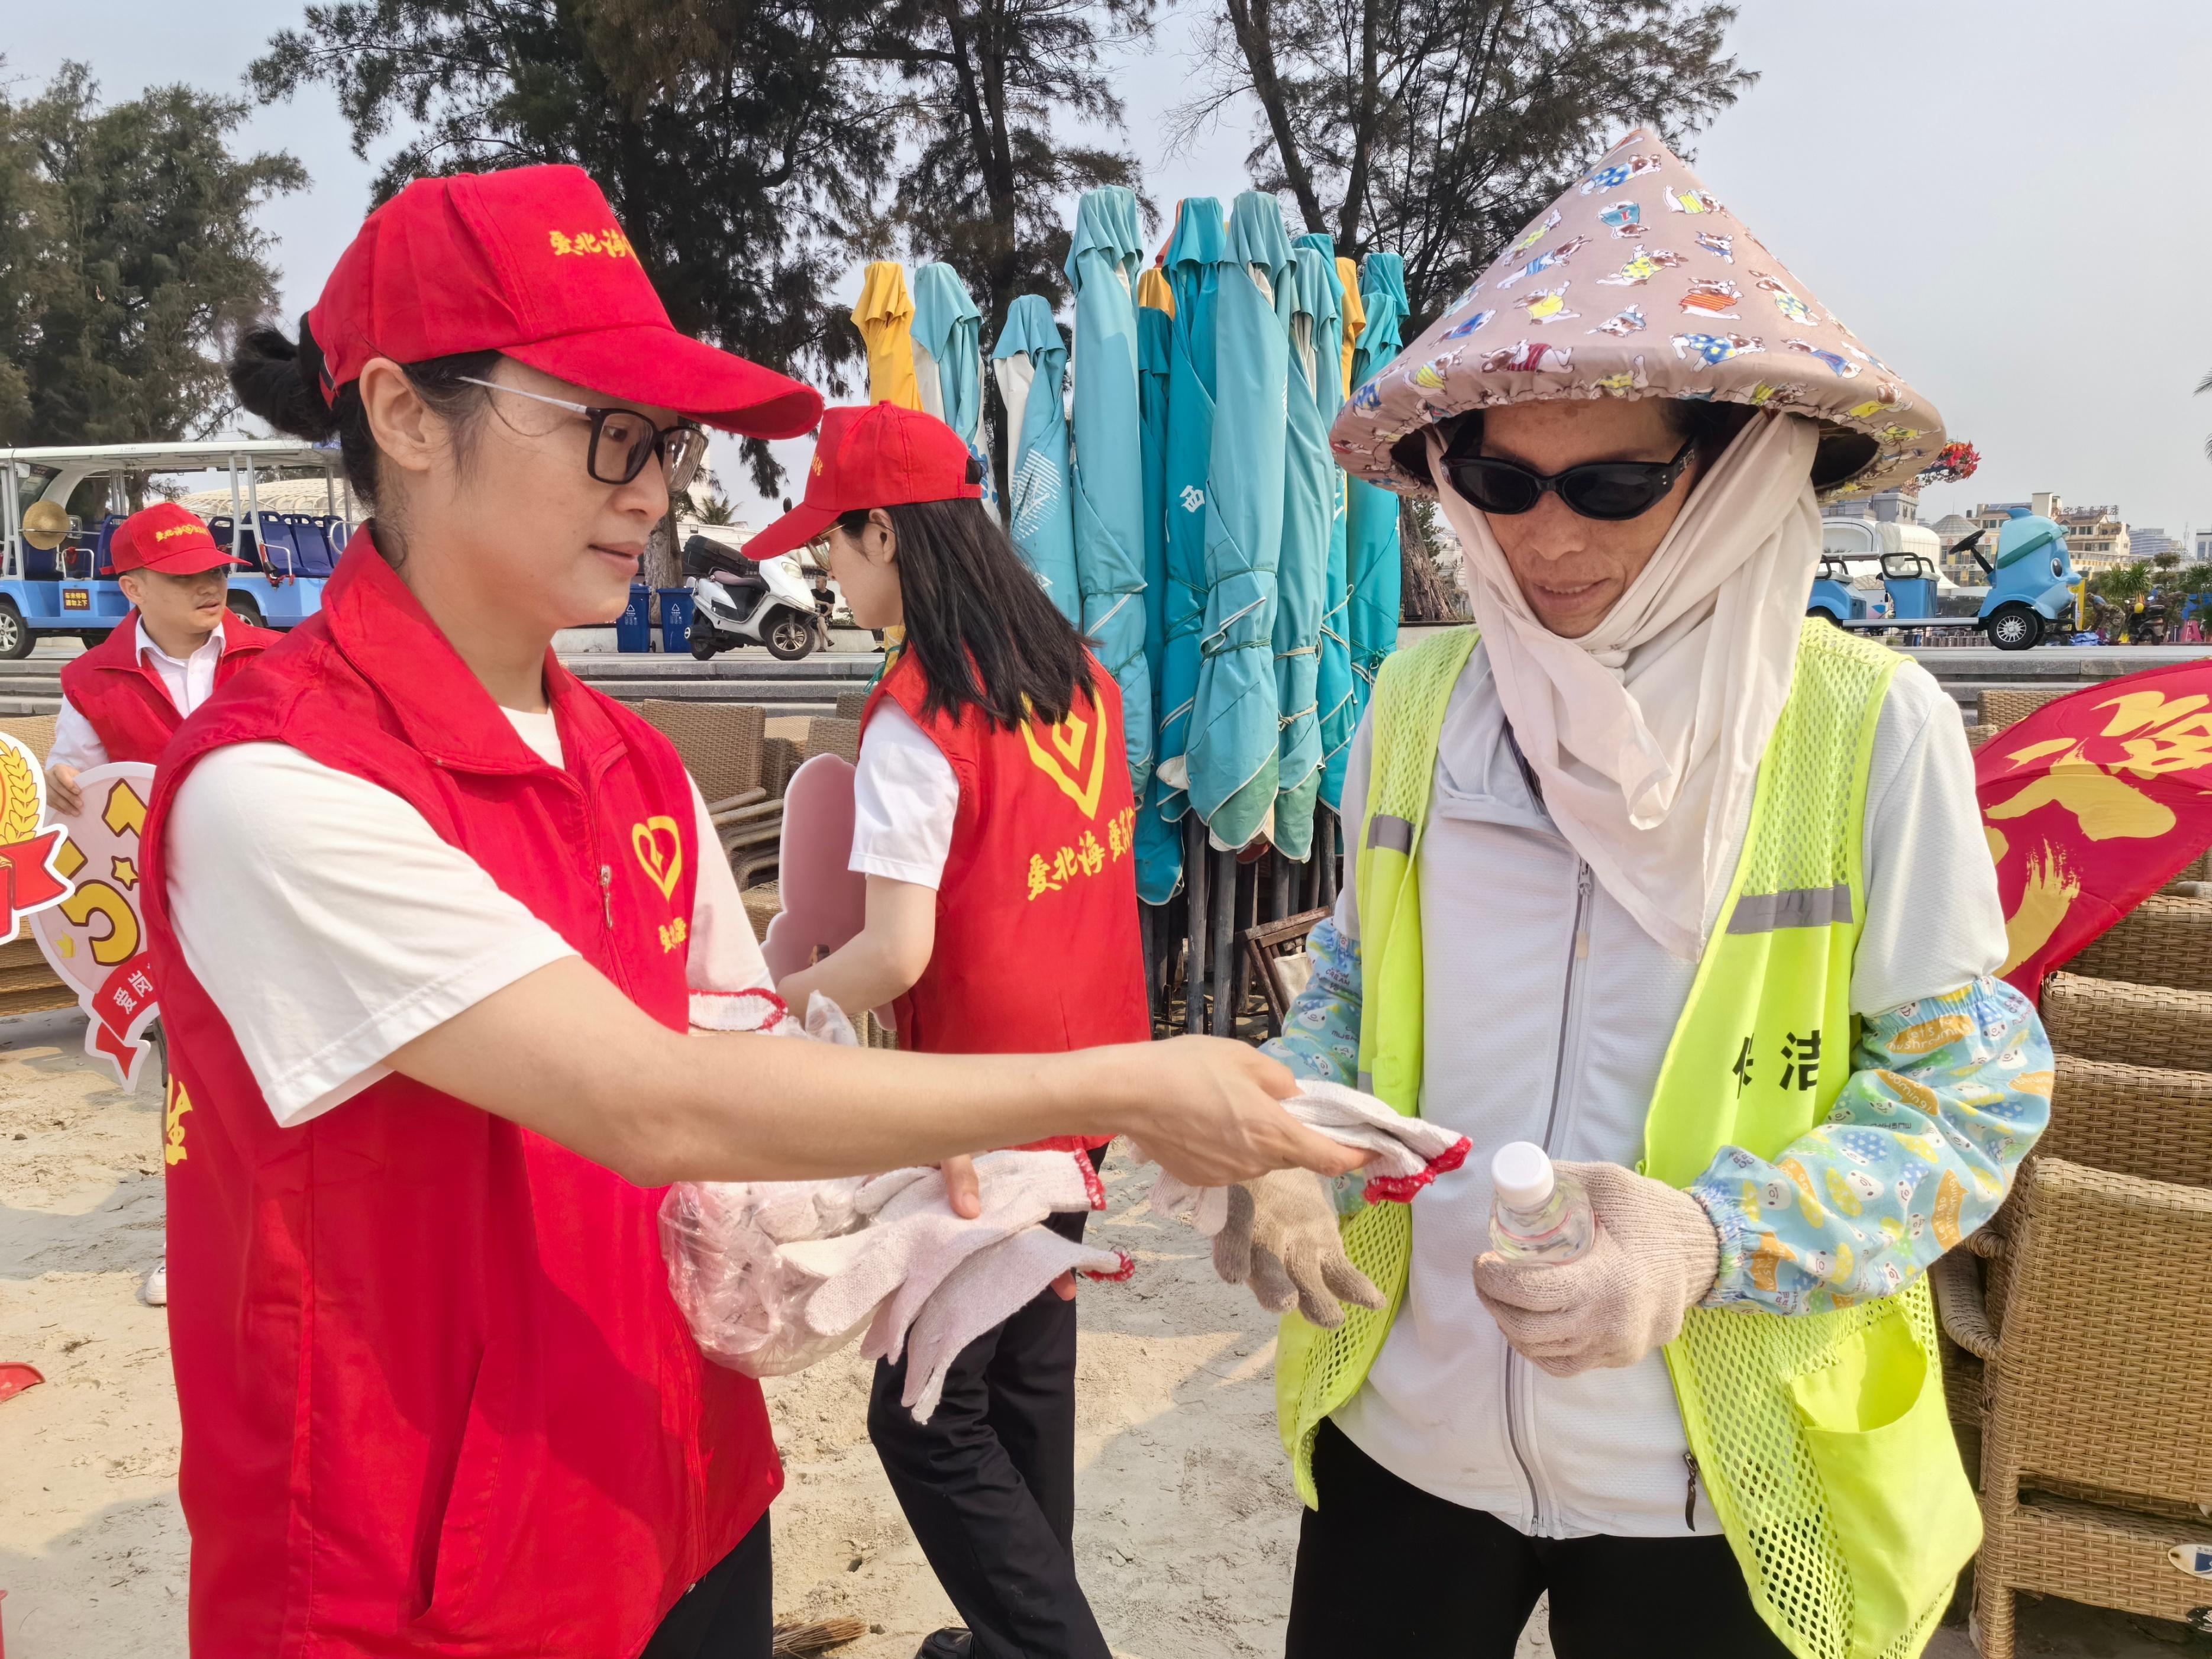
(1638, 284)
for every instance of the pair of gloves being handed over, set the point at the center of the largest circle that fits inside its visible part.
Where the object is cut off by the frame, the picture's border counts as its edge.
(1655, 1253)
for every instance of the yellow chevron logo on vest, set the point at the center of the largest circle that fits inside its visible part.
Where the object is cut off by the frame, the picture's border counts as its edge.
(1066, 740)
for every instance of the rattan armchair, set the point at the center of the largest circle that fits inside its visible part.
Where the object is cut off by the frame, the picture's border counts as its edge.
(2131, 1024)
(2000, 707)
(2097, 1447)
(2163, 941)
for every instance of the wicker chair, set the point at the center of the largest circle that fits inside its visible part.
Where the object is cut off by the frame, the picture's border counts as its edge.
(1999, 709)
(2130, 1024)
(720, 744)
(851, 704)
(36, 731)
(2098, 1446)
(841, 738)
(2163, 941)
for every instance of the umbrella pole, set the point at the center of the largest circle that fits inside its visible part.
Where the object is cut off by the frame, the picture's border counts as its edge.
(1278, 897)
(1196, 869)
(1248, 915)
(1225, 940)
(1147, 916)
(1326, 850)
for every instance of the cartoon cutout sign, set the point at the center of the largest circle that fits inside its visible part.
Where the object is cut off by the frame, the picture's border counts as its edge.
(31, 879)
(92, 934)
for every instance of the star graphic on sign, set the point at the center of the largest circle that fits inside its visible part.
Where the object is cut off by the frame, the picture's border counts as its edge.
(124, 871)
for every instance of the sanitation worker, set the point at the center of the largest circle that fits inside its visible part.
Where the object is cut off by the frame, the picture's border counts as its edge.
(1691, 891)
(426, 913)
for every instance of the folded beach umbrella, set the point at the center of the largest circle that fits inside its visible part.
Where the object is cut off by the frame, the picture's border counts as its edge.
(1031, 362)
(1108, 470)
(948, 360)
(1355, 314)
(1311, 487)
(1231, 757)
(1160, 843)
(884, 315)
(1193, 263)
(1371, 514)
(1337, 713)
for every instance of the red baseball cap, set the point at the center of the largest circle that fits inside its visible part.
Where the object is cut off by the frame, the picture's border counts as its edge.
(168, 539)
(531, 263)
(877, 455)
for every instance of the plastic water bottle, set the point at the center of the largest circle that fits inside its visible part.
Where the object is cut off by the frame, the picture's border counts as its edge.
(1539, 1215)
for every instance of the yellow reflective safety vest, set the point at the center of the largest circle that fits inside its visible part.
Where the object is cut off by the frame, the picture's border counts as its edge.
(1822, 1439)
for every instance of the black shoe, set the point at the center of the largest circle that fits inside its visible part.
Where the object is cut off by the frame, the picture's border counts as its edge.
(948, 1644)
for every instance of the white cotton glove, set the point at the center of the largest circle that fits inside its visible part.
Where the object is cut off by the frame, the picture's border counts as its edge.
(985, 1290)
(1282, 1238)
(1655, 1253)
(917, 1239)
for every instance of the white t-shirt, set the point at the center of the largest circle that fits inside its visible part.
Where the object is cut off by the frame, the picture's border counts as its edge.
(190, 682)
(904, 801)
(332, 925)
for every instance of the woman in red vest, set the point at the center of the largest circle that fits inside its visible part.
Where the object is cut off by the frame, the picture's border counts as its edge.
(123, 699)
(427, 915)
(993, 822)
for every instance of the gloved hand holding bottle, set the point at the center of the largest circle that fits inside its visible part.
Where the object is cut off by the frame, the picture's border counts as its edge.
(1652, 1252)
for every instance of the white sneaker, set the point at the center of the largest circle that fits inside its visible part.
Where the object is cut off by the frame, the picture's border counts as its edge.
(155, 1292)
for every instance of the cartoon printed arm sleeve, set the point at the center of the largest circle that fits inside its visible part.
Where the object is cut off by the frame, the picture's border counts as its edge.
(1946, 1096)
(1320, 1035)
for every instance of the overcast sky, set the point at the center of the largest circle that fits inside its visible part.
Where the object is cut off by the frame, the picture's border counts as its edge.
(2005, 199)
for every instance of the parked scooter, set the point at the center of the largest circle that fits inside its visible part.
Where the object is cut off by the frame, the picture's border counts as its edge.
(736, 602)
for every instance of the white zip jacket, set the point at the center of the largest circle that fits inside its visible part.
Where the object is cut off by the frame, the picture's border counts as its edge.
(1548, 1012)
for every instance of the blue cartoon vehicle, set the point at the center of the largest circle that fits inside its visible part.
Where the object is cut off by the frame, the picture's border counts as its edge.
(2033, 588)
(56, 574)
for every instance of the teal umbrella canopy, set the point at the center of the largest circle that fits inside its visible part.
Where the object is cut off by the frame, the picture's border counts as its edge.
(1193, 263)
(1338, 710)
(1310, 488)
(1371, 538)
(1031, 362)
(949, 361)
(1159, 844)
(1231, 758)
(1108, 471)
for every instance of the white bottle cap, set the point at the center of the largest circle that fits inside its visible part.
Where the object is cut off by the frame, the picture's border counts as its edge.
(1521, 1174)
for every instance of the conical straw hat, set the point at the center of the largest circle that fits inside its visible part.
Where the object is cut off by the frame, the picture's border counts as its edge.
(1638, 284)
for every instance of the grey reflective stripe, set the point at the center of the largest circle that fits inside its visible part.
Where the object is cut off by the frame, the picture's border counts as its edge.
(1794, 907)
(1392, 835)
(1367, 1083)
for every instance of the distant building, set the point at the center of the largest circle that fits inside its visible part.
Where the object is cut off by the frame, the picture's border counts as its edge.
(1950, 530)
(2202, 551)
(2096, 537)
(2147, 542)
(1890, 506)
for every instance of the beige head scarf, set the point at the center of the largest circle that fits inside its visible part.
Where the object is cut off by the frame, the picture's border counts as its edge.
(1645, 734)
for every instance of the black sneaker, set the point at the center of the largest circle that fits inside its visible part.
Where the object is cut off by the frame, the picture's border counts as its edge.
(948, 1644)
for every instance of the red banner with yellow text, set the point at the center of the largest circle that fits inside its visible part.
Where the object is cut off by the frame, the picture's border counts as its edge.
(2091, 804)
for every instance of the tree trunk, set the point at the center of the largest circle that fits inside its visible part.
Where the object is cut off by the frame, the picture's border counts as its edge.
(1425, 594)
(660, 567)
(1252, 20)
(1364, 118)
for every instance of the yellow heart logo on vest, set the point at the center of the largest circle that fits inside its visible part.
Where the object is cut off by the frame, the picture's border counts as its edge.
(663, 868)
(1064, 743)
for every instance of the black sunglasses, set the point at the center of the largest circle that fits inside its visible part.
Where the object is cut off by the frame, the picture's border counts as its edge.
(623, 441)
(1595, 490)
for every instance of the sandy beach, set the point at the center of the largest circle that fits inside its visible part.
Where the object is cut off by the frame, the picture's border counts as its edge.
(1187, 1525)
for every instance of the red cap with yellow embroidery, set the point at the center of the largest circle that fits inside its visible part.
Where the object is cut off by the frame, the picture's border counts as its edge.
(168, 539)
(880, 455)
(530, 263)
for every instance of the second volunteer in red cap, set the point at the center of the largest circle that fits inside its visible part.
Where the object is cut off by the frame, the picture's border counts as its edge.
(429, 918)
(123, 699)
(993, 820)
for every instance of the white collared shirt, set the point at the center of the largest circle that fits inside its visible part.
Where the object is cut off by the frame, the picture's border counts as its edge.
(189, 681)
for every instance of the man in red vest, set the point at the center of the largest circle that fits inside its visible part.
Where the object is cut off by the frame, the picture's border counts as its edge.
(123, 699)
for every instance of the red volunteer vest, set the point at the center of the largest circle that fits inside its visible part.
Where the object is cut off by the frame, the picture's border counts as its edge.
(436, 1398)
(122, 694)
(1038, 945)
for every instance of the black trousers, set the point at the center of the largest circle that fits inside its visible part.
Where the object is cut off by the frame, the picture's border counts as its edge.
(729, 1614)
(1384, 1567)
(988, 1483)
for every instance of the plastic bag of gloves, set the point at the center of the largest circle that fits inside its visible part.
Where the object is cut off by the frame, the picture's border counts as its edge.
(721, 1239)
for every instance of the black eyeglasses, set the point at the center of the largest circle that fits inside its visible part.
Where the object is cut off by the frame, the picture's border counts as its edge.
(1595, 490)
(623, 441)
